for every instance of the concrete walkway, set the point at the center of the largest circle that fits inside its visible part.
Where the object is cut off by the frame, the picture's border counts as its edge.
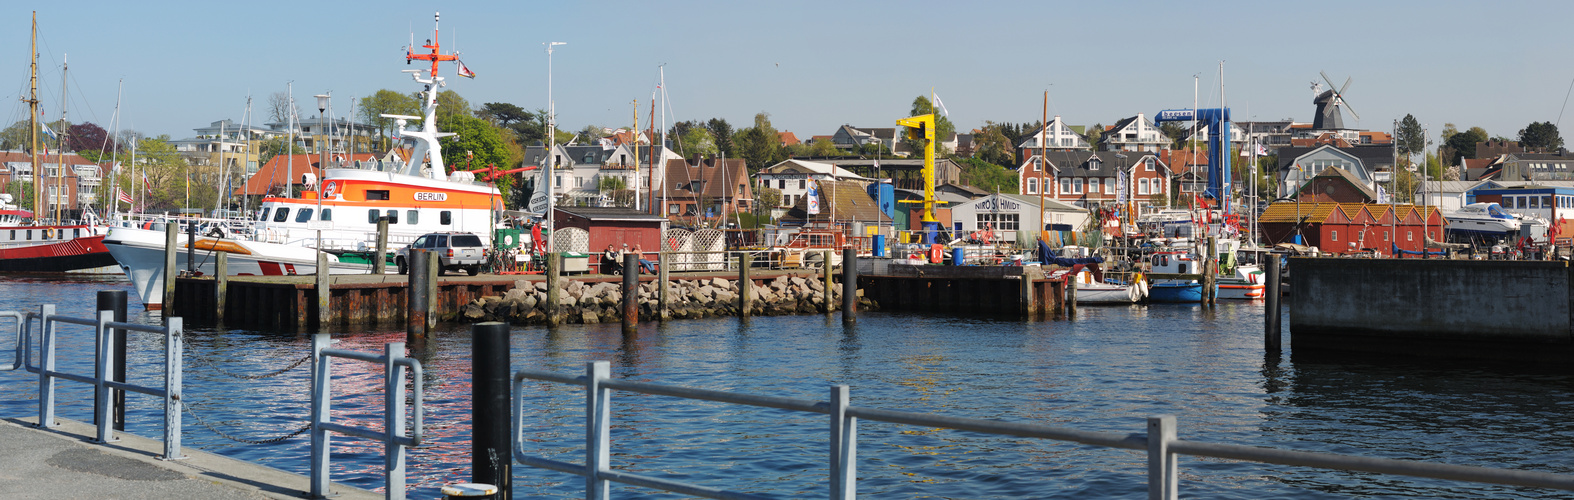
(64, 463)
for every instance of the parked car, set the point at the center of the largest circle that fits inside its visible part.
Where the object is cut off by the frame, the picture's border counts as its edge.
(454, 251)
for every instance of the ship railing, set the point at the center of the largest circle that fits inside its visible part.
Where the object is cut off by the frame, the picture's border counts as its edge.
(392, 435)
(1159, 442)
(104, 326)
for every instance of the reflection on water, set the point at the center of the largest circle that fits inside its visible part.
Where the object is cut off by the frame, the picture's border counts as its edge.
(1107, 371)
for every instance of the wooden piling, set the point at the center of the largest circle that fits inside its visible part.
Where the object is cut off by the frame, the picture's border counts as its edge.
(434, 270)
(170, 271)
(1210, 273)
(828, 304)
(1071, 296)
(554, 287)
(745, 285)
(417, 301)
(324, 291)
(221, 277)
(380, 261)
(662, 313)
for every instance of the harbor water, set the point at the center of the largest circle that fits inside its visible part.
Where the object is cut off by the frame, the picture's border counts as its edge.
(1106, 370)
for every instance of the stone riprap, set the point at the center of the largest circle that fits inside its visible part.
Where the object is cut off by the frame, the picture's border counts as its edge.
(581, 302)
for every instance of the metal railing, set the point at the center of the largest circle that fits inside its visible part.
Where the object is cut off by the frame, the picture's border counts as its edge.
(392, 436)
(104, 326)
(1160, 442)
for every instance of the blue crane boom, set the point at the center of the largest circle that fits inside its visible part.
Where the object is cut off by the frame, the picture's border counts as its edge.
(1218, 122)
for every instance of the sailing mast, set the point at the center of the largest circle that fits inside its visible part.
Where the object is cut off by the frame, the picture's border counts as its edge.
(60, 143)
(32, 102)
(1043, 167)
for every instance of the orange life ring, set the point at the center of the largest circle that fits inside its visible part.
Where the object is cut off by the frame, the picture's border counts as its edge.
(49, 233)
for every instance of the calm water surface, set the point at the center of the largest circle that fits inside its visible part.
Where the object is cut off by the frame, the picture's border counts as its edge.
(1106, 371)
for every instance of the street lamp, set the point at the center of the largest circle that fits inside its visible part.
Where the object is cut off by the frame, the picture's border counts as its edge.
(551, 167)
(322, 152)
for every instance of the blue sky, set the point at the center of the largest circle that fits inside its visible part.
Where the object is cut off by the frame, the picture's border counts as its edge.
(812, 65)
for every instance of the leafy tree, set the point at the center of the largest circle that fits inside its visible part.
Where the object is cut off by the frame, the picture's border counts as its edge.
(476, 136)
(23, 191)
(1462, 145)
(89, 141)
(167, 170)
(1410, 139)
(767, 197)
(991, 144)
(721, 132)
(588, 135)
(697, 141)
(527, 127)
(1540, 136)
(449, 104)
(759, 145)
(15, 137)
(387, 102)
(987, 176)
(275, 147)
(823, 147)
(1176, 132)
(1095, 136)
(943, 127)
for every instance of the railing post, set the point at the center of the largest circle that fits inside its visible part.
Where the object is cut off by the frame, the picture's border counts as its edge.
(103, 359)
(221, 289)
(174, 345)
(844, 446)
(1162, 475)
(46, 382)
(491, 451)
(393, 420)
(321, 374)
(598, 427)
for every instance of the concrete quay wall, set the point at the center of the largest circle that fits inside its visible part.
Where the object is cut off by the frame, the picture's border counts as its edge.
(1476, 308)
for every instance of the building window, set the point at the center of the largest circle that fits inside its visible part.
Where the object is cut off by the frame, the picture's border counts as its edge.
(1410, 235)
(1093, 164)
(1065, 184)
(1076, 186)
(1038, 164)
(781, 184)
(1093, 185)
(1142, 186)
(1032, 186)
(1109, 186)
(1147, 164)
(1334, 235)
(803, 183)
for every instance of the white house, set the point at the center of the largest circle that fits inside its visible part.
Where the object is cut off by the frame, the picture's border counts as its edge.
(1013, 217)
(1137, 133)
(793, 178)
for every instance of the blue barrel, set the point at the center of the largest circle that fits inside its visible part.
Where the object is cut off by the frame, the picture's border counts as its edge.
(879, 245)
(957, 258)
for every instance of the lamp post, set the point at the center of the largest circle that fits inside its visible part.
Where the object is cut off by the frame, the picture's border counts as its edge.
(322, 156)
(551, 166)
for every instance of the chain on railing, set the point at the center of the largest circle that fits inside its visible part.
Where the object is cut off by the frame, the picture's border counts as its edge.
(210, 364)
(191, 410)
(1160, 442)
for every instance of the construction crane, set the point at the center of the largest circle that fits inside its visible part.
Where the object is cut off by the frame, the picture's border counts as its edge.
(922, 127)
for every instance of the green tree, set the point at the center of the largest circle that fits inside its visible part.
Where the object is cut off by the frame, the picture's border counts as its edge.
(987, 176)
(15, 137)
(472, 136)
(767, 198)
(1462, 145)
(943, 127)
(823, 147)
(527, 127)
(759, 145)
(1176, 132)
(387, 102)
(588, 135)
(450, 104)
(167, 170)
(1540, 136)
(721, 132)
(275, 147)
(1410, 139)
(697, 141)
(991, 144)
(1095, 136)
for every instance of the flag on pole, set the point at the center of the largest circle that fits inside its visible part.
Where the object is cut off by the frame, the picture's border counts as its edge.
(147, 183)
(123, 197)
(812, 202)
(465, 71)
(47, 131)
(940, 105)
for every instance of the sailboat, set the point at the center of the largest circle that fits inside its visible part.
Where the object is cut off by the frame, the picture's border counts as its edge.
(338, 214)
(31, 243)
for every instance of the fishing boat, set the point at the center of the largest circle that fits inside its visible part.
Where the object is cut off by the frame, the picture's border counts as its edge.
(1238, 279)
(1092, 291)
(1171, 290)
(32, 243)
(338, 215)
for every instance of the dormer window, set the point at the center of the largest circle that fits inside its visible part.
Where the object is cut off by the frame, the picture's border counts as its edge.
(1093, 164)
(1038, 164)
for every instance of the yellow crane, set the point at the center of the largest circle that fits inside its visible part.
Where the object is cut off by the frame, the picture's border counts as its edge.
(922, 127)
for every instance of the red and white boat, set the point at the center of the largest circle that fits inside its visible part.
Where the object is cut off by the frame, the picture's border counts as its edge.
(338, 215)
(49, 248)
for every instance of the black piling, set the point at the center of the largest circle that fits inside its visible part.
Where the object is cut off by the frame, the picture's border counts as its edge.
(1270, 312)
(115, 300)
(630, 292)
(849, 285)
(491, 451)
(415, 316)
(191, 247)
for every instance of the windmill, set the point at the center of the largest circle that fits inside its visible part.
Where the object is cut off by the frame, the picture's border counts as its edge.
(1328, 103)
